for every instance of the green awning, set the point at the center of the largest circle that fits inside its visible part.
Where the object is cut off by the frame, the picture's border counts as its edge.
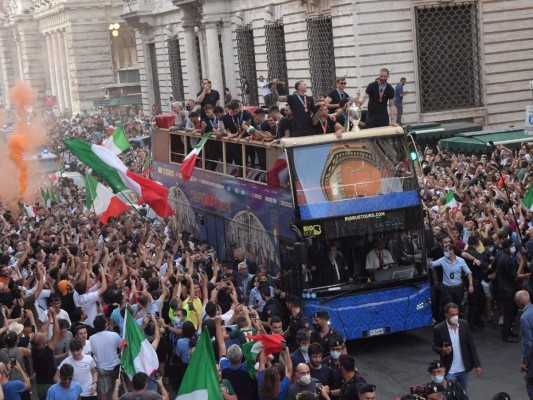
(114, 102)
(480, 142)
(435, 131)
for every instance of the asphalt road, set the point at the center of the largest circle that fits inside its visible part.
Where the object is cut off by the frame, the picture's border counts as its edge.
(395, 362)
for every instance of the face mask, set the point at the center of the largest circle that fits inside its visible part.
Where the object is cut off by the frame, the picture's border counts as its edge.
(318, 327)
(454, 320)
(513, 250)
(304, 349)
(335, 354)
(305, 380)
(447, 255)
(437, 378)
(491, 249)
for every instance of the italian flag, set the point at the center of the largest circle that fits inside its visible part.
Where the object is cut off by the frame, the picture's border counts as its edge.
(101, 200)
(147, 166)
(187, 166)
(117, 142)
(138, 354)
(47, 198)
(56, 175)
(109, 167)
(269, 343)
(450, 201)
(528, 200)
(29, 211)
(200, 381)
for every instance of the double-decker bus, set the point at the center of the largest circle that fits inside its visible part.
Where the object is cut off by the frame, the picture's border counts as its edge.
(340, 220)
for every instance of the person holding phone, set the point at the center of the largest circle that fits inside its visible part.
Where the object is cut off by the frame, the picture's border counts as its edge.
(13, 388)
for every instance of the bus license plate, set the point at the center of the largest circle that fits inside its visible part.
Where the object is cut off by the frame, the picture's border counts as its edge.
(376, 332)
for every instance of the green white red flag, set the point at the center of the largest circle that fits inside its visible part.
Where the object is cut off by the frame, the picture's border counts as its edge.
(138, 354)
(118, 142)
(109, 167)
(450, 201)
(102, 201)
(200, 381)
(147, 166)
(528, 200)
(188, 164)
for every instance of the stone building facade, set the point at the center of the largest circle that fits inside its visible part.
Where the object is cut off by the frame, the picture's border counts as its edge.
(464, 60)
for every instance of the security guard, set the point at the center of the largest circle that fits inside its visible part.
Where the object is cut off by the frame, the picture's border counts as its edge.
(452, 389)
(323, 332)
(352, 380)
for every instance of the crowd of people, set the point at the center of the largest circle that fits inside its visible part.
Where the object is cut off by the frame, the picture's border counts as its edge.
(67, 280)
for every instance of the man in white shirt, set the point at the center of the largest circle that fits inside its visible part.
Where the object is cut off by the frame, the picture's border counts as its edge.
(379, 257)
(81, 334)
(84, 370)
(88, 301)
(105, 345)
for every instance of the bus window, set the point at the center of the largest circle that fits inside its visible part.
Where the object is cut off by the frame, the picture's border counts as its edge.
(339, 171)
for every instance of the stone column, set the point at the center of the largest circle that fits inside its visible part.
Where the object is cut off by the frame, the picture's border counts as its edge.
(51, 66)
(213, 61)
(65, 84)
(229, 65)
(57, 71)
(203, 56)
(191, 60)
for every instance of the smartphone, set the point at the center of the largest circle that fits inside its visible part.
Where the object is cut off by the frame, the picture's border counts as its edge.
(157, 314)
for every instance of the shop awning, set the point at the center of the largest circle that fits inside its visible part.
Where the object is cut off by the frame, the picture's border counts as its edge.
(479, 142)
(435, 131)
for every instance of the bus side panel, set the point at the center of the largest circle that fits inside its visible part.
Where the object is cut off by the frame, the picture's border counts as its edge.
(229, 212)
(376, 313)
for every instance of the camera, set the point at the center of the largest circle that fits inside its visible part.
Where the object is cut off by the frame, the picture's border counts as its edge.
(419, 390)
(318, 388)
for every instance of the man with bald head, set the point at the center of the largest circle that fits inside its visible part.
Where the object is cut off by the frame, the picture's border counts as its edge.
(302, 382)
(526, 329)
(42, 354)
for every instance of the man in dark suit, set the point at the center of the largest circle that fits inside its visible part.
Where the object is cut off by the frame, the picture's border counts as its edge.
(453, 341)
(333, 269)
(239, 256)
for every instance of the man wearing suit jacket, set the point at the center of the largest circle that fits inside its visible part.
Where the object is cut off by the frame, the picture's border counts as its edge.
(300, 355)
(453, 341)
(526, 329)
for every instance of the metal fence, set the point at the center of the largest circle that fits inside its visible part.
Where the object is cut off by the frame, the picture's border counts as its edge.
(449, 61)
(321, 54)
(176, 71)
(246, 55)
(276, 55)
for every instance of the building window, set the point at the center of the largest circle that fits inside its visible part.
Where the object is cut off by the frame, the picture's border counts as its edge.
(449, 62)
(276, 55)
(176, 72)
(247, 70)
(321, 54)
(155, 74)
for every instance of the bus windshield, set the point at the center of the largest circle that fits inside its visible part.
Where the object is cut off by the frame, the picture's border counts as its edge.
(362, 168)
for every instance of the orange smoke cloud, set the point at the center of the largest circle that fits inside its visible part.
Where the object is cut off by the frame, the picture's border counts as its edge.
(21, 96)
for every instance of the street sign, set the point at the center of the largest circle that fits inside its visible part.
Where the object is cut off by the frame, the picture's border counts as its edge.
(528, 126)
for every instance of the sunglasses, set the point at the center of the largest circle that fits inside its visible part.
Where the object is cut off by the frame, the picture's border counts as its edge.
(66, 378)
(342, 83)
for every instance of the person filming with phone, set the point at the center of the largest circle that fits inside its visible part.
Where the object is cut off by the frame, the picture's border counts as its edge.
(13, 388)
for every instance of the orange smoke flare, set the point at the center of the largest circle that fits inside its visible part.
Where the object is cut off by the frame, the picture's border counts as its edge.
(21, 97)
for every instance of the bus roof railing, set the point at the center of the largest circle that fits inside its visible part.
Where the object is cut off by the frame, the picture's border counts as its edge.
(346, 137)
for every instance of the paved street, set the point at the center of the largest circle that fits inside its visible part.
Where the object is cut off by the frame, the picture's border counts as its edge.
(398, 361)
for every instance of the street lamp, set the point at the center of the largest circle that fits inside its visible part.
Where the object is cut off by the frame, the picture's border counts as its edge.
(114, 28)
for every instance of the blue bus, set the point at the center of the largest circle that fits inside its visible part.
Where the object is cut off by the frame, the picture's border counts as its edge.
(340, 221)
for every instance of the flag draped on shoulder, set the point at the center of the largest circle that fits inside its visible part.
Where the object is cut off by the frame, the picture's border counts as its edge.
(117, 142)
(188, 164)
(109, 167)
(138, 354)
(101, 200)
(528, 200)
(200, 381)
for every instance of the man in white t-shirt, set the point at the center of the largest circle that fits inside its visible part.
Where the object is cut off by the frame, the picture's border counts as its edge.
(84, 370)
(88, 301)
(105, 345)
(81, 334)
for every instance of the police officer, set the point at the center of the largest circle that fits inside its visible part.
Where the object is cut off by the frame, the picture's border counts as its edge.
(352, 380)
(337, 347)
(367, 391)
(323, 332)
(452, 389)
(298, 320)
(507, 286)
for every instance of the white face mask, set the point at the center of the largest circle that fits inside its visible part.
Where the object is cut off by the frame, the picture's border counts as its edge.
(454, 320)
(335, 354)
(304, 349)
(513, 250)
(305, 380)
